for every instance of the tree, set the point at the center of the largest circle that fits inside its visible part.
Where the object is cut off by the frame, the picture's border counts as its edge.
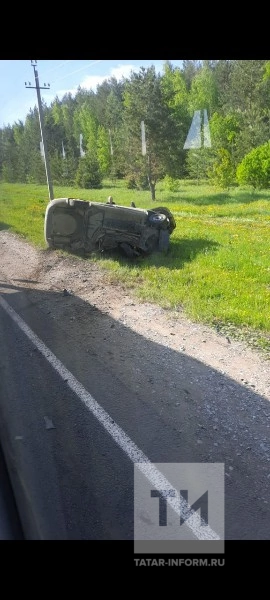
(203, 92)
(224, 135)
(224, 130)
(235, 94)
(86, 123)
(9, 155)
(143, 101)
(247, 95)
(255, 168)
(113, 117)
(20, 170)
(30, 149)
(109, 94)
(175, 97)
(246, 85)
(222, 172)
(113, 111)
(63, 116)
(104, 151)
(189, 70)
(222, 72)
(88, 174)
(198, 163)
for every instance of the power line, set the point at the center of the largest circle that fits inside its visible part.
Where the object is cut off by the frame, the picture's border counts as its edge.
(78, 70)
(58, 66)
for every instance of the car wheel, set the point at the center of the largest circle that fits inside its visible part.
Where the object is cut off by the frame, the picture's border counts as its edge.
(157, 220)
(165, 211)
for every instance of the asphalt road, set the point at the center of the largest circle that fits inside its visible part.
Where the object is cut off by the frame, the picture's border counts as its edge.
(71, 477)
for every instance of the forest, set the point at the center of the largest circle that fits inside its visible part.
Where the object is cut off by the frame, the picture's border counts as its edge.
(96, 135)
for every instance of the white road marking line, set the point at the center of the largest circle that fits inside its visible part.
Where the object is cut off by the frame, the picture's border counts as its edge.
(117, 433)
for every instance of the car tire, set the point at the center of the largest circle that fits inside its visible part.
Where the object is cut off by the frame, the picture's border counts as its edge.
(157, 220)
(170, 217)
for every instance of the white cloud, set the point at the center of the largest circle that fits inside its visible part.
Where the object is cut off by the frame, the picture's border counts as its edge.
(90, 82)
(123, 71)
(48, 98)
(61, 93)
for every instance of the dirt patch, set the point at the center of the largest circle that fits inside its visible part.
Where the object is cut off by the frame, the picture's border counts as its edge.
(26, 267)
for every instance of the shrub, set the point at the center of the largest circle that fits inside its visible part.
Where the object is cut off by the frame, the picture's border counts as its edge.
(222, 172)
(88, 173)
(255, 168)
(198, 163)
(171, 184)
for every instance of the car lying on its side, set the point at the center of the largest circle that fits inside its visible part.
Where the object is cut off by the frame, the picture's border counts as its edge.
(77, 224)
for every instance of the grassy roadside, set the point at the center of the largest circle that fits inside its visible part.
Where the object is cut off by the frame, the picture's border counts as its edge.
(217, 269)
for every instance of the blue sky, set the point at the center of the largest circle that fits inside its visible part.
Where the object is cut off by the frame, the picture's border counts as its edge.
(63, 76)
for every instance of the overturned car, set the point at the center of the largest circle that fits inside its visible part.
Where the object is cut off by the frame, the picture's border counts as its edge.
(80, 225)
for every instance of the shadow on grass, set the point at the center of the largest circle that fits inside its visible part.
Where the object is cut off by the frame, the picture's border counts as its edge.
(112, 184)
(4, 226)
(220, 198)
(180, 252)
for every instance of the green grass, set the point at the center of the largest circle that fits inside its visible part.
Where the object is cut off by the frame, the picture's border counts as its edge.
(217, 269)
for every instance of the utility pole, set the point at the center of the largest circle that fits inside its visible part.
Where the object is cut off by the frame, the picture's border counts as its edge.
(41, 123)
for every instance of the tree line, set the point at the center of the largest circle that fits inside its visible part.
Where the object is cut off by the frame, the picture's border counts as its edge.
(94, 135)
